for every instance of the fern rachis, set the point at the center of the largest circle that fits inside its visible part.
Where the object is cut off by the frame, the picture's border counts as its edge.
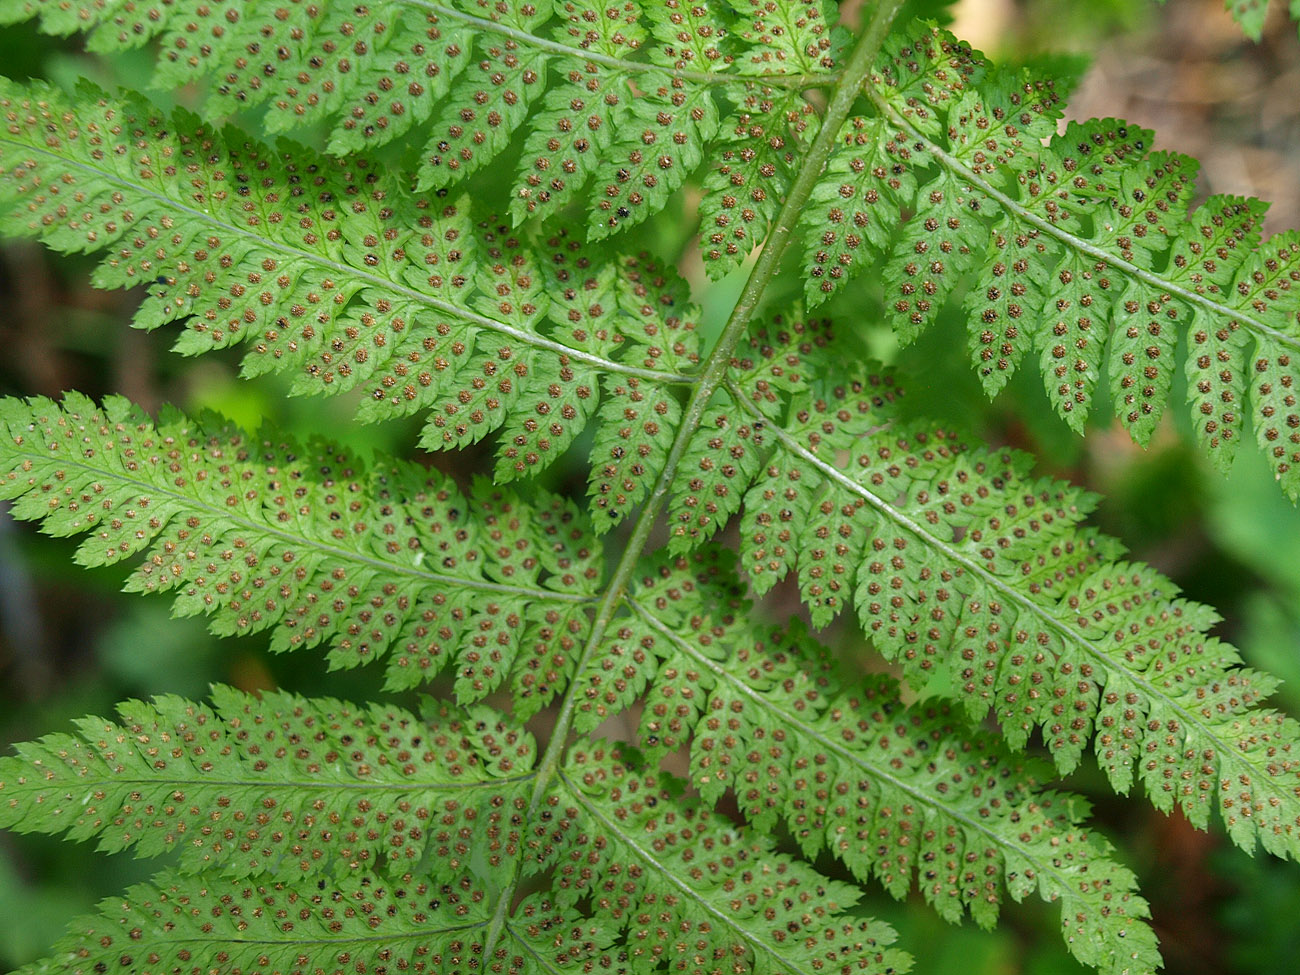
(451, 840)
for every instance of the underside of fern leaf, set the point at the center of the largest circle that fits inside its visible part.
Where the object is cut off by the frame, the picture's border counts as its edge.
(316, 546)
(617, 100)
(771, 718)
(509, 600)
(248, 789)
(255, 790)
(521, 825)
(1251, 15)
(961, 566)
(1082, 253)
(334, 272)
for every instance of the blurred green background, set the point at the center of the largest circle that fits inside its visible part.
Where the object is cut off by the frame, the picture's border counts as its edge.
(71, 644)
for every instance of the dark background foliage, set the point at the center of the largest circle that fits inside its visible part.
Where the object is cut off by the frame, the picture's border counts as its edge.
(71, 644)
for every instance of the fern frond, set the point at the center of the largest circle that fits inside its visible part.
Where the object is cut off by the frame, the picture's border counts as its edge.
(303, 787)
(313, 835)
(405, 923)
(720, 896)
(505, 596)
(1079, 253)
(313, 544)
(901, 795)
(967, 571)
(339, 276)
(620, 95)
(280, 785)
(267, 924)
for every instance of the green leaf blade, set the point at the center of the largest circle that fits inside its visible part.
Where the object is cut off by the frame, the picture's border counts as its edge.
(173, 775)
(306, 541)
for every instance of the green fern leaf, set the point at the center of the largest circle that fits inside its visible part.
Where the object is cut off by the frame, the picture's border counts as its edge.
(252, 786)
(313, 835)
(848, 769)
(663, 139)
(1250, 15)
(488, 104)
(1077, 253)
(769, 912)
(385, 98)
(264, 925)
(404, 922)
(504, 614)
(855, 207)
(310, 544)
(353, 284)
(637, 428)
(786, 36)
(956, 143)
(960, 565)
(470, 75)
(726, 453)
(689, 35)
(722, 458)
(571, 134)
(758, 158)
(256, 785)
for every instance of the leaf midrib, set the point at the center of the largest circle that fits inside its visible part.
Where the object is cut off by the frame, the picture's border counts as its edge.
(169, 783)
(421, 933)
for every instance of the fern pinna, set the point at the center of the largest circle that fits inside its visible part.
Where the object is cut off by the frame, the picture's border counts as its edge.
(318, 835)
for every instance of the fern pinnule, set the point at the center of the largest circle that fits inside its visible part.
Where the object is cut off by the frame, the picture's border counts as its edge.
(621, 95)
(1081, 253)
(965, 570)
(908, 797)
(312, 544)
(757, 160)
(1251, 15)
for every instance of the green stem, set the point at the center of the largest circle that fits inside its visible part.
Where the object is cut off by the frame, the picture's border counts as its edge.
(710, 378)
(719, 360)
(714, 372)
